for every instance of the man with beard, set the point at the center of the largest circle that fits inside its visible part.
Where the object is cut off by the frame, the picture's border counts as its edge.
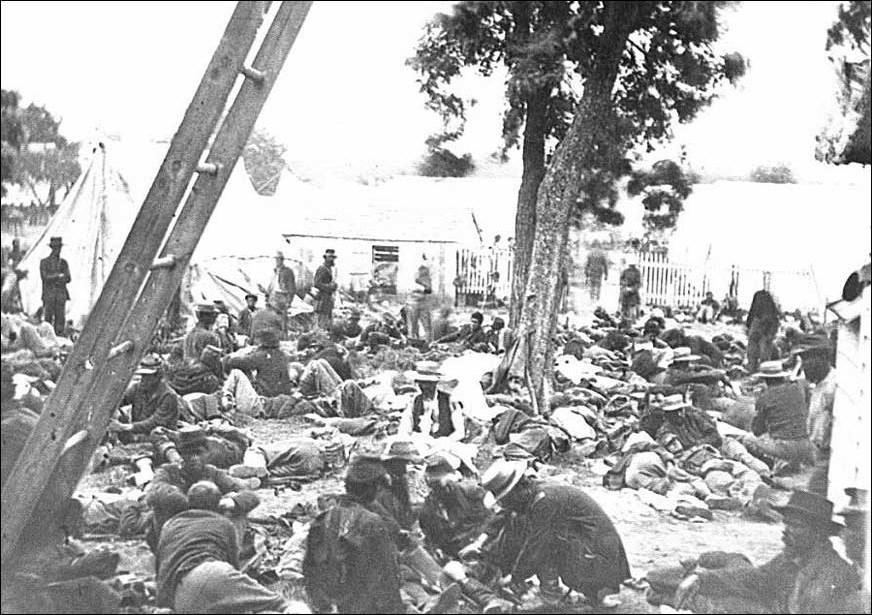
(808, 576)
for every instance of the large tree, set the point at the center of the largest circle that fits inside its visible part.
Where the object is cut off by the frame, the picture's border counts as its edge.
(638, 67)
(546, 49)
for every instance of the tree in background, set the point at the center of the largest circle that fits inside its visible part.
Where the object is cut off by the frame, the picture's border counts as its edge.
(664, 188)
(264, 161)
(551, 52)
(442, 162)
(847, 138)
(34, 151)
(772, 174)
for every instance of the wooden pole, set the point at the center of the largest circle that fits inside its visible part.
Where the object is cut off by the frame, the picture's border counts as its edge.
(70, 405)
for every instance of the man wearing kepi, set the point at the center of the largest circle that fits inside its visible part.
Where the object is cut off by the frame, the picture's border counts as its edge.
(55, 274)
(325, 284)
(559, 533)
(808, 576)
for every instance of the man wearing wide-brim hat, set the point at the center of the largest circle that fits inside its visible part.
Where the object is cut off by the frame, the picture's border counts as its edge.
(565, 535)
(683, 369)
(399, 452)
(674, 414)
(432, 412)
(808, 576)
(779, 427)
(55, 274)
(152, 403)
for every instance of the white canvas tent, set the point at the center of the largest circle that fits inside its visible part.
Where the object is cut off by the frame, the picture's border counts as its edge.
(93, 221)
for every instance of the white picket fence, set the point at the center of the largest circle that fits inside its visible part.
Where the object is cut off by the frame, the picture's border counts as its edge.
(664, 282)
(685, 285)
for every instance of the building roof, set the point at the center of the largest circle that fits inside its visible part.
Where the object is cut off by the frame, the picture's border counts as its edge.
(392, 212)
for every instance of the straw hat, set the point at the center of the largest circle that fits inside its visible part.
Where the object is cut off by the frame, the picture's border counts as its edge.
(673, 402)
(772, 369)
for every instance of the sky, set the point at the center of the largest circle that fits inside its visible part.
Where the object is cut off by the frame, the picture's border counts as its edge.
(346, 99)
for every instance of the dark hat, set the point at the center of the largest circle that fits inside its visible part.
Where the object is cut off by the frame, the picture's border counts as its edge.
(190, 439)
(502, 477)
(438, 465)
(330, 252)
(365, 469)
(403, 450)
(859, 504)
(818, 349)
(55, 241)
(150, 365)
(251, 296)
(812, 508)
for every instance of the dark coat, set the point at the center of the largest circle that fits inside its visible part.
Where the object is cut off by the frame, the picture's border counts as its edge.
(55, 274)
(158, 408)
(816, 584)
(351, 562)
(326, 288)
(453, 515)
(267, 369)
(564, 531)
(446, 426)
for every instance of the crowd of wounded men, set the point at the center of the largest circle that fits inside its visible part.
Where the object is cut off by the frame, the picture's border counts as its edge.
(473, 534)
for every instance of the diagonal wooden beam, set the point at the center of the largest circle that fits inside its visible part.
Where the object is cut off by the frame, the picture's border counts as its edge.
(86, 364)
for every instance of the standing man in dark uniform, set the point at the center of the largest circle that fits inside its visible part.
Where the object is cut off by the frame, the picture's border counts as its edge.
(326, 287)
(55, 274)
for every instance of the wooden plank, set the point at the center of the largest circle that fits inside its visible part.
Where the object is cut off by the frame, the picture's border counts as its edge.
(226, 149)
(67, 407)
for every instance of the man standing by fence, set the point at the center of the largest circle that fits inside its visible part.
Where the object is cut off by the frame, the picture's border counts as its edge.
(419, 302)
(595, 270)
(631, 282)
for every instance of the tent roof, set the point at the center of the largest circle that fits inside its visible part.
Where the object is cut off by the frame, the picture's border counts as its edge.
(93, 220)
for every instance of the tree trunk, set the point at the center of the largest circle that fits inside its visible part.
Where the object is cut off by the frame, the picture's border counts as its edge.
(525, 218)
(591, 129)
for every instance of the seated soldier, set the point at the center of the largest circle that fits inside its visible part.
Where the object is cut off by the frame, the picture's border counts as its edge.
(172, 481)
(152, 403)
(808, 576)
(779, 425)
(382, 333)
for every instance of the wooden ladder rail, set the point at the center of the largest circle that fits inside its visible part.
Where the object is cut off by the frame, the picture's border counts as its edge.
(98, 361)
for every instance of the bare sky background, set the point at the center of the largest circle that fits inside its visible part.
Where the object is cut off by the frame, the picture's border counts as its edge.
(346, 97)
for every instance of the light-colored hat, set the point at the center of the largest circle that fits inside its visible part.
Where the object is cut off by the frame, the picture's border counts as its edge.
(427, 371)
(772, 369)
(502, 477)
(673, 402)
(149, 366)
(683, 354)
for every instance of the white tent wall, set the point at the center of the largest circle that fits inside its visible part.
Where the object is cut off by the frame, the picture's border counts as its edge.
(93, 221)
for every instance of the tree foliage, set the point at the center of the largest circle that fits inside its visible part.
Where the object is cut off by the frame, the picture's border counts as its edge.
(847, 137)
(664, 188)
(772, 174)
(34, 150)
(264, 161)
(668, 72)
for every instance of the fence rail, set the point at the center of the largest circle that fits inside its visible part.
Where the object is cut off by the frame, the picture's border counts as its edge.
(483, 274)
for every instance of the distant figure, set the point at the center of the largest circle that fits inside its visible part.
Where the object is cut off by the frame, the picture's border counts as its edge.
(283, 278)
(708, 309)
(595, 270)
(16, 253)
(325, 285)
(419, 302)
(55, 274)
(631, 282)
(762, 325)
(442, 324)
(201, 335)
(246, 314)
